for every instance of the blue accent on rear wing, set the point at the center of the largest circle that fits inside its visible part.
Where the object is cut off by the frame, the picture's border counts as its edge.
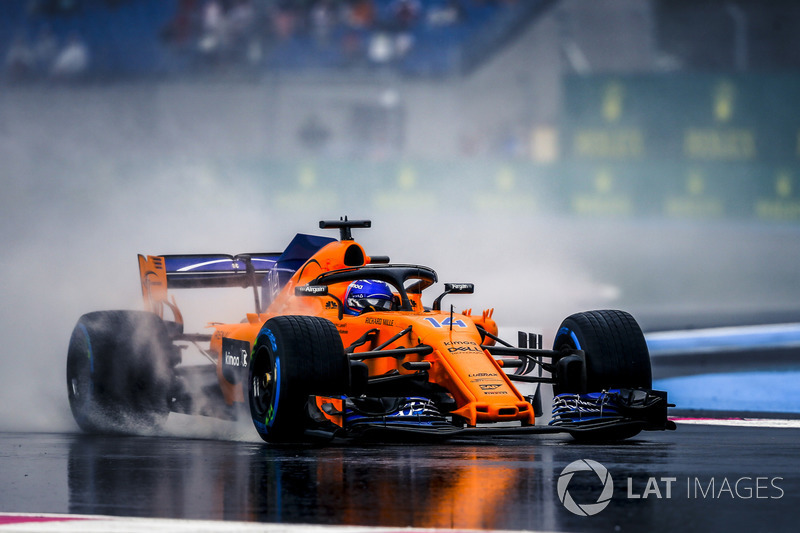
(217, 270)
(223, 270)
(300, 250)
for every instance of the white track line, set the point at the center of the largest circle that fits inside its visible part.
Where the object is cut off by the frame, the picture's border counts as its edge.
(740, 422)
(58, 523)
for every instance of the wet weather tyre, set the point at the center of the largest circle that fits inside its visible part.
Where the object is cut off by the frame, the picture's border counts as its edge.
(294, 357)
(120, 367)
(615, 350)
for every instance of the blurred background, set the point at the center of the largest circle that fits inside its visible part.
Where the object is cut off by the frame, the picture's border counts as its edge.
(561, 154)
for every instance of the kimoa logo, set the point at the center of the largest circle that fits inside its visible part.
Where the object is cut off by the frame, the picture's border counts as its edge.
(585, 509)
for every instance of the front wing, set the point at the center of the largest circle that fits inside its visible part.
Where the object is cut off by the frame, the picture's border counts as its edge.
(609, 415)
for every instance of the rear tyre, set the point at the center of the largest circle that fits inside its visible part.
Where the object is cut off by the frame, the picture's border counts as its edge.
(615, 350)
(120, 368)
(294, 357)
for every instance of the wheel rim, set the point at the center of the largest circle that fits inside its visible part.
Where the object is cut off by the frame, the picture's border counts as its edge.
(263, 384)
(77, 396)
(80, 389)
(79, 379)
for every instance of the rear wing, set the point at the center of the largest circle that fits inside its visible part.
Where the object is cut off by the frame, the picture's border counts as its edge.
(157, 273)
(258, 270)
(197, 271)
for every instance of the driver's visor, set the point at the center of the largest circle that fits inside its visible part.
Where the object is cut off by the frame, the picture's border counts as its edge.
(376, 303)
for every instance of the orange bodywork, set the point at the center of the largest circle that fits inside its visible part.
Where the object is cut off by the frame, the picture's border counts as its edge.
(476, 381)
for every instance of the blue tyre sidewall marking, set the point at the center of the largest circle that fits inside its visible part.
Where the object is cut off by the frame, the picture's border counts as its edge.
(89, 353)
(271, 336)
(571, 334)
(276, 401)
(270, 417)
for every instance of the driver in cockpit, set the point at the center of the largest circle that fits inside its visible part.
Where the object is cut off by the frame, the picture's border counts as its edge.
(367, 295)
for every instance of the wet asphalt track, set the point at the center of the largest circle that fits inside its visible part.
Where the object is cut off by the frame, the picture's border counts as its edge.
(725, 479)
(698, 478)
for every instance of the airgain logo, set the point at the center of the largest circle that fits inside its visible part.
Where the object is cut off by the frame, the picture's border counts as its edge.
(602, 481)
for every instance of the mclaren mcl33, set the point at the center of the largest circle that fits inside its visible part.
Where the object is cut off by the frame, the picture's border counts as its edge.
(342, 344)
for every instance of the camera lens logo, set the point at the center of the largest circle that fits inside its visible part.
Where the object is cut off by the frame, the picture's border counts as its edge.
(585, 509)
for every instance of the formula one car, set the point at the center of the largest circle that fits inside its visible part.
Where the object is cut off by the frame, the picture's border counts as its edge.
(340, 344)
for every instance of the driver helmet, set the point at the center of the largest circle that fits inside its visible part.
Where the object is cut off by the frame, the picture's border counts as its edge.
(364, 295)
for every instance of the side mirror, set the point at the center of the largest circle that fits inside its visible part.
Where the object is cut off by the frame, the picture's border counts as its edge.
(453, 288)
(459, 288)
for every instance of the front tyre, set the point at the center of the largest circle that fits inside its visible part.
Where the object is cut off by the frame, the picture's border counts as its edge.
(615, 351)
(616, 357)
(293, 357)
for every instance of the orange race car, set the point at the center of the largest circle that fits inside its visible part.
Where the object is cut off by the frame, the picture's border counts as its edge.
(341, 344)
